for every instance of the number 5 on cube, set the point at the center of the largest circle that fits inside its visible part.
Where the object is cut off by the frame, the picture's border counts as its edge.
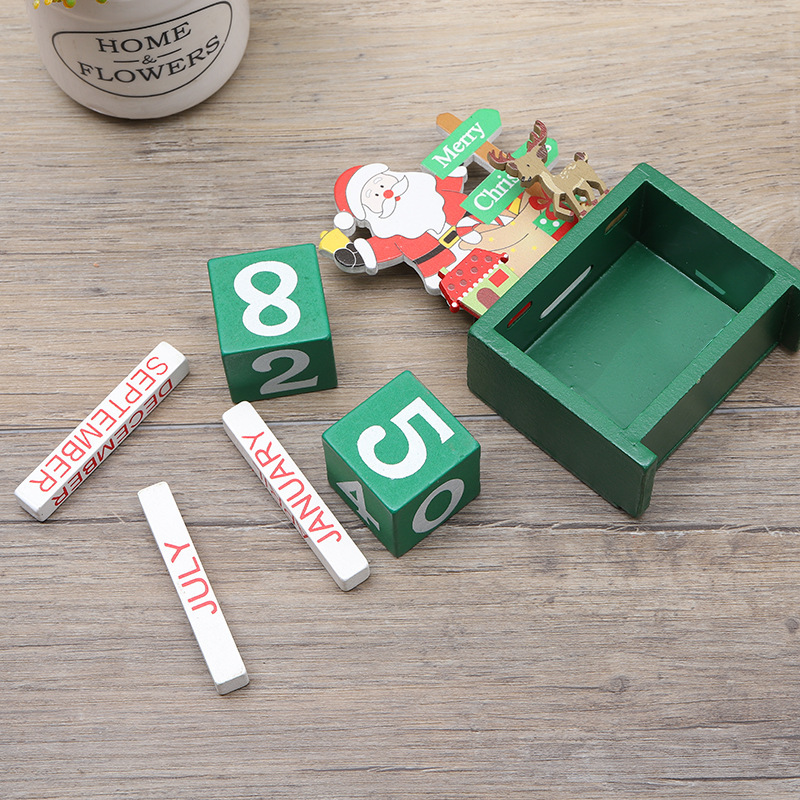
(402, 462)
(272, 323)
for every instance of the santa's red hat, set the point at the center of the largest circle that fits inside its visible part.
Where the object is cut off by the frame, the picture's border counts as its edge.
(347, 195)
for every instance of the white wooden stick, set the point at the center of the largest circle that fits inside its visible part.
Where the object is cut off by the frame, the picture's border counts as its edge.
(304, 507)
(194, 589)
(99, 435)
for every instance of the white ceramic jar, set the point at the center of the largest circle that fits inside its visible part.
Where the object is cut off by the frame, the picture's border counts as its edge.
(140, 59)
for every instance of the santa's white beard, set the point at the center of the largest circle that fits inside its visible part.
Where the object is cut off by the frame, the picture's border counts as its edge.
(419, 209)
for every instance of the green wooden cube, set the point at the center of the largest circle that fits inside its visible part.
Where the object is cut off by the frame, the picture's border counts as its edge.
(630, 331)
(272, 322)
(402, 462)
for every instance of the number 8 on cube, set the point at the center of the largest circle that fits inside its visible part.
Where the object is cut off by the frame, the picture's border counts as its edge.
(402, 462)
(272, 322)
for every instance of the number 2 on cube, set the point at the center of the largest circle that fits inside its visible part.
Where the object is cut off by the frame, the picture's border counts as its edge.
(281, 382)
(257, 302)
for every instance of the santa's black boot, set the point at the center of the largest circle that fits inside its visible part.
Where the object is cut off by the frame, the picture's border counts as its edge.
(349, 259)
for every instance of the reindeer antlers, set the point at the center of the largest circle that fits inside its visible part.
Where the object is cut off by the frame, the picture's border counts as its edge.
(498, 159)
(539, 132)
(538, 137)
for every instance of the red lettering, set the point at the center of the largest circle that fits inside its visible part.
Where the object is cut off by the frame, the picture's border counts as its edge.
(177, 548)
(106, 417)
(306, 500)
(207, 603)
(254, 438)
(202, 594)
(145, 378)
(297, 494)
(328, 535)
(280, 472)
(150, 403)
(47, 479)
(133, 416)
(62, 497)
(59, 462)
(269, 458)
(155, 367)
(317, 524)
(122, 430)
(191, 571)
(91, 465)
(72, 451)
(85, 433)
(137, 395)
(166, 385)
(75, 481)
(100, 454)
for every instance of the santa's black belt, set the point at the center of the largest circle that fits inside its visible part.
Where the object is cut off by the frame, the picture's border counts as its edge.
(446, 241)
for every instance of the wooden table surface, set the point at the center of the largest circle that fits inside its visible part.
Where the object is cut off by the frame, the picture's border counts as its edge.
(541, 644)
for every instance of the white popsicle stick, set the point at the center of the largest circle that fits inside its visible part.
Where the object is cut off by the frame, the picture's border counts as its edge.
(99, 435)
(194, 589)
(304, 507)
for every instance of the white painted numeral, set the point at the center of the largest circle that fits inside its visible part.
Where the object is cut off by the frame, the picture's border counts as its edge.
(417, 453)
(355, 492)
(257, 301)
(421, 523)
(282, 382)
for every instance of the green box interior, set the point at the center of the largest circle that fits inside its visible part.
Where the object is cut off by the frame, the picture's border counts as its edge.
(637, 324)
(641, 299)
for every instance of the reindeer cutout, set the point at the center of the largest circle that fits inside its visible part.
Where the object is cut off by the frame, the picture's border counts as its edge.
(577, 180)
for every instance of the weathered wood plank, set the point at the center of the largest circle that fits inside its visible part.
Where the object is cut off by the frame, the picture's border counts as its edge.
(540, 644)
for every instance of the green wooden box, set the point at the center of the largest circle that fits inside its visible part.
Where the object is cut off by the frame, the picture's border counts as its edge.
(630, 331)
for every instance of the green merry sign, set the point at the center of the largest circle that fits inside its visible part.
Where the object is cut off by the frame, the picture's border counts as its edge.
(499, 189)
(463, 142)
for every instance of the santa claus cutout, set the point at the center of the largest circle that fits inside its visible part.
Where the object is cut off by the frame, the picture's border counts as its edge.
(417, 218)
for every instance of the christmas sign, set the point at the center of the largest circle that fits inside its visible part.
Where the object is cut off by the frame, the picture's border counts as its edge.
(470, 248)
(499, 189)
(463, 143)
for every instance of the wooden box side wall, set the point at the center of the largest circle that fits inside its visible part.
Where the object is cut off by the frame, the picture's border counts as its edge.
(677, 227)
(621, 472)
